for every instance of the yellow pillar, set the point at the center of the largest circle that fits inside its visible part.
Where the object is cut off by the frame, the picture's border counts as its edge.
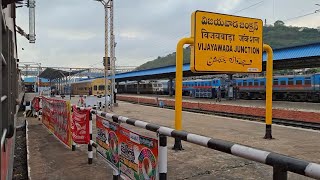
(269, 84)
(178, 89)
(178, 81)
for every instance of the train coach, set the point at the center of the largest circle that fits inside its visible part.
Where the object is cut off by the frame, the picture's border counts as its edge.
(87, 87)
(144, 87)
(291, 88)
(200, 88)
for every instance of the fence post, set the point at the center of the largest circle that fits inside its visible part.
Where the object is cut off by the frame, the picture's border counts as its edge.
(90, 152)
(163, 157)
(39, 114)
(73, 146)
(116, 175)
(279, 173)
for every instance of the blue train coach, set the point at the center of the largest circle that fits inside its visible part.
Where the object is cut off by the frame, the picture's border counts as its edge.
(292, 88)
(201, 88)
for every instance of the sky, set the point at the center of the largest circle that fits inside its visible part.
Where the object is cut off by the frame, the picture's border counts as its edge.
(70, 33)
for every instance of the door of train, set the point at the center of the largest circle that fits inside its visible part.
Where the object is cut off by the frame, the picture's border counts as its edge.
(317, 83)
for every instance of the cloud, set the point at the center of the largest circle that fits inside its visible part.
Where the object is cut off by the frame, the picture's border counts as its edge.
(71, 32)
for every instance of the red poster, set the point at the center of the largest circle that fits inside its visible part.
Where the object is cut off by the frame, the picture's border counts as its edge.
(56, 117)
(36, 104)
(138, 155)
(80, 125)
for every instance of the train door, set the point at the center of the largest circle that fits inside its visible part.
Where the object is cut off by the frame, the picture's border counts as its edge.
(317, 83)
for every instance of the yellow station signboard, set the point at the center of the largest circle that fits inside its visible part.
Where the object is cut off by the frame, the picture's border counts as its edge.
(225, 43)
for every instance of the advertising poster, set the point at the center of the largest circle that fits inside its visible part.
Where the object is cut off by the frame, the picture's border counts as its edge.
(80, 125)
(36, 104)
(138, 156)
(108, 140)
(46, 113)
(56, 117)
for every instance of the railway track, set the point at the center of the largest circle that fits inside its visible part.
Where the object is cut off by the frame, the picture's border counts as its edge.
(285, 122)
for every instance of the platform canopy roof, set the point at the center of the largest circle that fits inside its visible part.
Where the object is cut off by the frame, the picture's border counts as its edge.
(51, 74)
(296, 57)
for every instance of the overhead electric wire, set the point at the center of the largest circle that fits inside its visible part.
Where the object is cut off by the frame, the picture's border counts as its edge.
(247, 7)
(252, 5)
(297, 17)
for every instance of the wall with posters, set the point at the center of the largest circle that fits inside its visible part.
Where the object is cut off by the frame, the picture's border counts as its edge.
(134, 155)
(56, 117)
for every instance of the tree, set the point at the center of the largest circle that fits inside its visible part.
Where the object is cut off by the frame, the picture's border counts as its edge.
(312, 71)
(278, 23)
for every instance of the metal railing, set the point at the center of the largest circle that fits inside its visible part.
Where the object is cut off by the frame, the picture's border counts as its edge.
(3, 138)
(281, 164)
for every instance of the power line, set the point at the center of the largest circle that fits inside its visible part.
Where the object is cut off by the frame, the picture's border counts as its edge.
(159, 44)
(289, 19)
(247, 7)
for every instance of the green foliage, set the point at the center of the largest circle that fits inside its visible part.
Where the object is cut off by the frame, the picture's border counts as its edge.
(277, 36)
(167, 60)
(278, 23)
(313, 70)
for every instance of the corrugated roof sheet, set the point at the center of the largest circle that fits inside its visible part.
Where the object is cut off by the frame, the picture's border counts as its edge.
(311, 50)
(50, 73)
(304, 51)
(33, 79)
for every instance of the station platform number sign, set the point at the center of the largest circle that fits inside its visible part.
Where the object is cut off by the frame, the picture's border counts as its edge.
(225, 43)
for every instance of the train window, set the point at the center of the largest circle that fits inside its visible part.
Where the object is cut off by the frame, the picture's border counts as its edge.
(239, 83)
(307, 81)
(262, 83)
(298, 82)
(275, 82)
(290, 81)
(283, 82)
(244, 83)
(101, 87)
(256, 83)
(250, 83)
(95, 87)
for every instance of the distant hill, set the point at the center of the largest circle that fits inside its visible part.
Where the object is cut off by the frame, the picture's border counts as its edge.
(277, 36)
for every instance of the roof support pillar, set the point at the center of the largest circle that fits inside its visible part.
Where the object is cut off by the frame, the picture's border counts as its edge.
(170, 84)
(138, 82)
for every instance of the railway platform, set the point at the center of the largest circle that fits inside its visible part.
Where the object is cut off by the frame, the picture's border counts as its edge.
(286, 105)
(295, 112)
(50, 159)
(194, 162)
